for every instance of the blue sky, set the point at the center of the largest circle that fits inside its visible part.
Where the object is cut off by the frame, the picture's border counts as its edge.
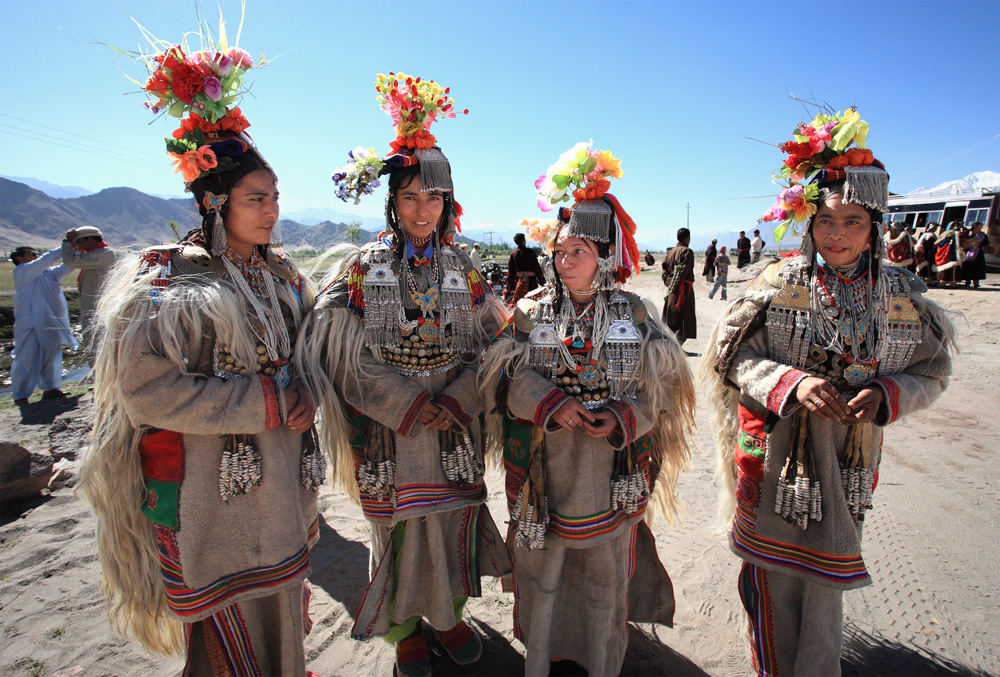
(671, 88)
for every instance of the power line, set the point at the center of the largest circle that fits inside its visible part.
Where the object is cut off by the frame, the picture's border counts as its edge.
(79, 136)
(82, 150)
(77, 144)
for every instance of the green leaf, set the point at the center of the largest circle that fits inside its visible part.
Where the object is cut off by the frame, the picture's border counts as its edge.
(843, 135)
(561, 181)
(781, 229)
(177, 109)
(588, 165)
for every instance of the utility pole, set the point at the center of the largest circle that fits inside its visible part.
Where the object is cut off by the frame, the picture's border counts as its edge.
(688, 215)
(490, 233)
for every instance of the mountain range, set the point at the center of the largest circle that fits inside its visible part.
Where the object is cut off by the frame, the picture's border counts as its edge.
(128, 218)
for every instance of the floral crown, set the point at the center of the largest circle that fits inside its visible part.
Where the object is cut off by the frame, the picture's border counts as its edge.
(582, 171)
(205, 86)
(413, 104)
(596, 214)
(820, 152)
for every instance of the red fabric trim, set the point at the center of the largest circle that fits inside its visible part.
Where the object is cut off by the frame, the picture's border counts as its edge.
(892, 398)
(273, 415)
(411, 414)
(549, 403)
(781, 392)
(452, 405)
(162, 454)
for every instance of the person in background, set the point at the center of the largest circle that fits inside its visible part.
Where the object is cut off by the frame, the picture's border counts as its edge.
(743, 247)
(899, 247)
(974, 266)
(678, 275)
(948, 256)
(926, 247)
(41, 324)
(722, 273)
(477, 257)
(523, 272)
(85, 250)
(649, 259)
(709, 270)
(757, 246)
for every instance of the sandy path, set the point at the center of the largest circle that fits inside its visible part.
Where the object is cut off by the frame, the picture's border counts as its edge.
(932, 544)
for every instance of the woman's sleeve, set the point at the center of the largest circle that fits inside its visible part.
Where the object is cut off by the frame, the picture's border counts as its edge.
(927, 375)
(158, 394)
(381, 393)
(635, 418)
(532, 397)
(769, 383)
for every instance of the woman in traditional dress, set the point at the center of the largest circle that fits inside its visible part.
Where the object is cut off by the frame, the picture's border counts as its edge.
(823, 351)
(592, 403)
(948, 255)
(393, 346)
(974, 265)
(204, 464)
(899, 247)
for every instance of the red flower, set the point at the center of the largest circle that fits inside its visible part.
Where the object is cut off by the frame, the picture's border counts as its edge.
(188, 80)
(792, 148)
(233, 122)
(172, 58)
(158, 84)
(793, 161)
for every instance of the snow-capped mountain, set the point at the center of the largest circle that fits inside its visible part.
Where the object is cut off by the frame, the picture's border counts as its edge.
(973, 182)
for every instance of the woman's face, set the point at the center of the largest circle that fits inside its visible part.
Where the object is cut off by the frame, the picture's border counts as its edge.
(419, 213)
(252, 212)
(841, 231)
(575, 260)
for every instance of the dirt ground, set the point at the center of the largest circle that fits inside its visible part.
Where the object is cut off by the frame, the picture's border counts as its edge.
(932, 544)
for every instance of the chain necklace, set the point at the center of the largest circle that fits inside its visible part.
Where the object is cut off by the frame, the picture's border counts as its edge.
(274, 335)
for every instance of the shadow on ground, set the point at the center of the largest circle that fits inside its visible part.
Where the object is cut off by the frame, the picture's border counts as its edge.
(868, 654)
(340, 567)
(647, 655)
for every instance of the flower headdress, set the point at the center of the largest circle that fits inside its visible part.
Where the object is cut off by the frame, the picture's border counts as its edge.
(201, 87)
(821, 152)
(413, 104)
(596, 214)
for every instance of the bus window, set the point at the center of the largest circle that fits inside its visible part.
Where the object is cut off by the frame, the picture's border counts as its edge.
(974, 215)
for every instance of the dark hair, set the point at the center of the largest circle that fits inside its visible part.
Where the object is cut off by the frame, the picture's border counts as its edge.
(222, 183)
(19, 252)
(756, 231)
(399, 179)
(683, 234)
(519, 239)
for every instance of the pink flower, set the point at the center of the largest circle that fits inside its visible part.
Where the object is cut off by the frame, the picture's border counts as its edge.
(544, 204)
(817, 138)
(240, 57)
(213, 88)
(223, 64)
(775, 213)
(539, 182)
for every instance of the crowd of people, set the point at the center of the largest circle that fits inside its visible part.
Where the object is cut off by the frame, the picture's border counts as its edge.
(214, 355)
(940, 255)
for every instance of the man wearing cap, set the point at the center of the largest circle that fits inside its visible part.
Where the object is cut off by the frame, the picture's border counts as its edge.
(84, 249)
(477, 258)
(41, 324)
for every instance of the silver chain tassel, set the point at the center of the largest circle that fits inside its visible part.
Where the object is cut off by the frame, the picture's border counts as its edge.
(459, 459)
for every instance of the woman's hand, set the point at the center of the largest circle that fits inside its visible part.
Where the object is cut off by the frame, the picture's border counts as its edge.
(822, 399)
(604, 424)
(436, 417)
(571, 415)
(865, 406)
(301, 407)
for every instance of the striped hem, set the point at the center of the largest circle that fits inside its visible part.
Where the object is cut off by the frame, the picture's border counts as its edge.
(839, 569)
(185, 601)
(757, 602)
(582, 528)
(420, 495)
(778, 398)
(548, 404)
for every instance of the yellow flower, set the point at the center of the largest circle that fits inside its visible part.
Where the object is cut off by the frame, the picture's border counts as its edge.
(610, 164)
(862, 134)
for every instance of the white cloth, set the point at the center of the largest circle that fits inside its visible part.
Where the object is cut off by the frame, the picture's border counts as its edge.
(41, 324)
(757, 245)
(477, 260)
(94, 266)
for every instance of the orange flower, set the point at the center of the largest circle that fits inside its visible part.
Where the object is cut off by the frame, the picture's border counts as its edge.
(610, 164)
(194, 162)
(233, 122)
(593, 190)
(839, 161)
